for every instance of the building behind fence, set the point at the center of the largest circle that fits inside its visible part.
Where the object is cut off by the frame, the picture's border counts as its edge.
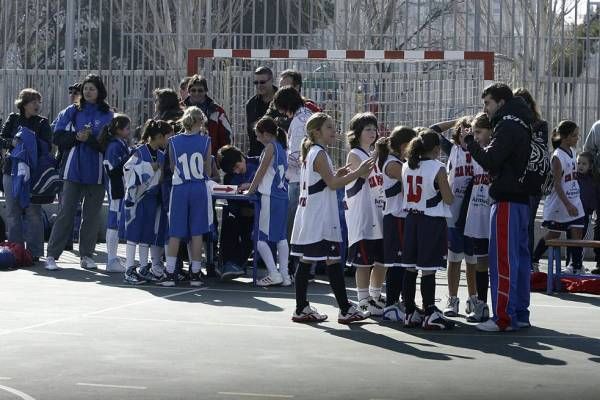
(551, 47)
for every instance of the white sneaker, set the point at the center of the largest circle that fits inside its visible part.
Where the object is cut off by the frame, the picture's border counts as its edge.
(413, 319)
(451, 309)
(115, 266)
(271, 280)
(51, 264)
(287, 281)
(470, 305)
(376, 306)
(569, 270)
(308, 314)
(87, 263)
(363, 305)
(535, 267)
(491, 326)
(480, 313)
(395, 312)
(352, 315)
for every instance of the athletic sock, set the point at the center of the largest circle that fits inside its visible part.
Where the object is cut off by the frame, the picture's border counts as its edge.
(393, 285)
(482, 281)
(130, 255)
(196, 266)
(428, 292)
(112, 244)
(171, 262)
(143, 251)
(338, 286)
(409, 289)
(374, 292)
(362, 293)
(301, 283)
(283, 255)
(267, 256)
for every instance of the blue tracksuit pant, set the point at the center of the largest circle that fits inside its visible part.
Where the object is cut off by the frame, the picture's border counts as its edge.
(509, 263)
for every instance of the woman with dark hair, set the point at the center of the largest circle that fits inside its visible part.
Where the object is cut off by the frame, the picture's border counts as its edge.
(29, 103)
(83, 171)
(539, 129)
(166, 105)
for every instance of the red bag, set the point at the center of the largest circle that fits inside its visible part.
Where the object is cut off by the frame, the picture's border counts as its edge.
(22, 255)
(539, 281)
(580, 285)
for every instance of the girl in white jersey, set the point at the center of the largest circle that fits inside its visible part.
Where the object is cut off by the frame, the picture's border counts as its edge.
(477, 222)
(390, 153)
(563, 210)
(427, 196)
(364, 201)
(316, 235)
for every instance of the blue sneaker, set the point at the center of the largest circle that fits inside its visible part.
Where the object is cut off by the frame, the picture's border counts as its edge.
(132, 277)
(230, 270)
(150, 275)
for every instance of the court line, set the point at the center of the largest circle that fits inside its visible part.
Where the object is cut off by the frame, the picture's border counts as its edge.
(102, 385)
(273, 396)
(5, 378)
(55, 333)
(16, 392)
(294, 326)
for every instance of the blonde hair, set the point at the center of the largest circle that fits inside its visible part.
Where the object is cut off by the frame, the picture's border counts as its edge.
(191, 116)
(314, 123)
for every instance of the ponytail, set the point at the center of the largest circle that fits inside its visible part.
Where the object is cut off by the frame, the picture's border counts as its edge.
(109, 130)
(383, 151)
(153, 128)
(314, 123)
(421, 145)
(306, 145)
(268, 125)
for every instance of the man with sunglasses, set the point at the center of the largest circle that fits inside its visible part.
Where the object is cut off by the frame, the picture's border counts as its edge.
(258, 105)
(74, 93)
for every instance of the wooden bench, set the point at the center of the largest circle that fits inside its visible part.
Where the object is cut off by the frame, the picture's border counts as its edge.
(554, 260)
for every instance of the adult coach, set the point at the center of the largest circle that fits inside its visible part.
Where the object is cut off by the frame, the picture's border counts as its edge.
(258, 105)
(506, 159)
(592, 145)
(83, 171)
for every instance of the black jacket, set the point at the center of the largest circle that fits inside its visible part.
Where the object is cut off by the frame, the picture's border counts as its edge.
(507, 155)
(256, 108)
(38, 124)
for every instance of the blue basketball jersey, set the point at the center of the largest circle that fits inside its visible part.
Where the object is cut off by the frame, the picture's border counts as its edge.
(144, 153)
(274, 182)
(188, 152)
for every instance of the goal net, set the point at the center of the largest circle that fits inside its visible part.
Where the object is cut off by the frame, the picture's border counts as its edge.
(414, 88)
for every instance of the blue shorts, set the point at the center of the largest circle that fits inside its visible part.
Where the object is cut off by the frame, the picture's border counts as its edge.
(425, 242)
(190, 211)
(272, 222)
(480, 246)
(141, 221)
(115, 207)
(564, 226)
(460, 246)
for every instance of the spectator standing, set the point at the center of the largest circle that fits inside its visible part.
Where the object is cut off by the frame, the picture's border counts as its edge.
(258, 105)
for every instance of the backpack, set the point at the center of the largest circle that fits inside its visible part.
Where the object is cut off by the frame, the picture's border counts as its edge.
(537, 176)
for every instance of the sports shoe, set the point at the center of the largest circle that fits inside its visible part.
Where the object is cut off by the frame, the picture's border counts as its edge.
(169, 280)
(182, 275)
(352, 315)
(271, 280)
(414, 319)
(196, 279)
(451, 309)
(311, 278)
(595, 271)
(523, 324)
(535, 267)
(308, 314)
(149, 274)
(287, 281)
(436, 321)
(491, 326)
(395, 312)
(480, 313)
(363, 305)
(115, 265)
(87, 263)
(229, 270)
(376, 306)
(50, 264)
(132, 277)
(470, 304)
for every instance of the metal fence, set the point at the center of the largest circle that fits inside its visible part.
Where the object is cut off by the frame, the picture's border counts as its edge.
(138, 45)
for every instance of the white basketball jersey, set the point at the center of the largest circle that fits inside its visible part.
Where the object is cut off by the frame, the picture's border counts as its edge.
(392, 189)
(421, 194)
(364, 204)
(477, 224)
(317, 216)
(554, 209)
(460, 172)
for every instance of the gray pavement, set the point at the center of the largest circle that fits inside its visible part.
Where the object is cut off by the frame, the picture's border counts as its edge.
(75, 334)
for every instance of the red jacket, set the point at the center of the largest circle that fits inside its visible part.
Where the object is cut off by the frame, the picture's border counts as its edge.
(219, 128)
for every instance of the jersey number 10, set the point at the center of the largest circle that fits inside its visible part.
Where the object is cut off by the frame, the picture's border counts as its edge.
(191, 168)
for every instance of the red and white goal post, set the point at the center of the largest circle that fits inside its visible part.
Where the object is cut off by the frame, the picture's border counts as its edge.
(414, 88)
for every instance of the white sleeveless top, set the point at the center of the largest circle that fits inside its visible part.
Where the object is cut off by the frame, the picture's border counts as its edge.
(554, 209)
(420, 192)
(477, 224)
(364, 204)
(393, 191)
(317, 216)
(460, 172)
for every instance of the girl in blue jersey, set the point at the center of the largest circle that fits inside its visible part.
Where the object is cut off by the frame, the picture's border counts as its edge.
(271, 183)
(114, 138)
(143, 173)
(190, 211)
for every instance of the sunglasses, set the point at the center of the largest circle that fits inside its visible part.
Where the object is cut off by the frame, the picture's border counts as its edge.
(73, 92)
(260, 82)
